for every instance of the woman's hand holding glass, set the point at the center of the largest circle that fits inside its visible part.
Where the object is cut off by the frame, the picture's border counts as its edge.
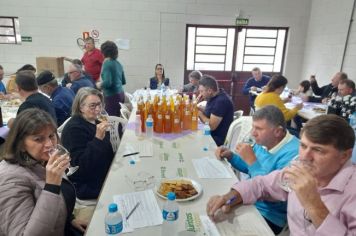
(57, 164)
(59, 152)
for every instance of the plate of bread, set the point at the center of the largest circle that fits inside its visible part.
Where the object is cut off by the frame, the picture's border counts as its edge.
(185, 189)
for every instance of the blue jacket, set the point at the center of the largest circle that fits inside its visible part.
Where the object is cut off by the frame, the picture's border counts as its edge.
(266, 162)
(2, 87)
(80, 83)
(154, 83)
(62, 99)
(252, 82)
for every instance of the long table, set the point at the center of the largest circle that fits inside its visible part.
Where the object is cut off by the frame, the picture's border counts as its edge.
(172, 157)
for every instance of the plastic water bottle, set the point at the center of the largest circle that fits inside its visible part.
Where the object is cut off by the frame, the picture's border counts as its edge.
(113, 220)
(149, 126)
(163, 89)
(138, 125)
(206, 136)
(170, 215)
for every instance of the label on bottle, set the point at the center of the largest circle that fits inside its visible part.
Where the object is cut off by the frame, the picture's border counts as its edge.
(159, 116)
(168, 117)
(113, 229)
(206, 131)
(170, 216)
(194, 118)
(176, 121)
(149, 123)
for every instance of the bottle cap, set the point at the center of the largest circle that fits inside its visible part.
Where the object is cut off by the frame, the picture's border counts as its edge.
(132, 162)
(171, 196)
(113, 207)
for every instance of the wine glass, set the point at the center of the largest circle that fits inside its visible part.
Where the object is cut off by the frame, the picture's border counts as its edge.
(60, 150)
(103, 116)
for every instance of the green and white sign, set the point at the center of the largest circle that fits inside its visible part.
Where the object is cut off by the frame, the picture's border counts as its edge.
(26, 39)
(241, 21)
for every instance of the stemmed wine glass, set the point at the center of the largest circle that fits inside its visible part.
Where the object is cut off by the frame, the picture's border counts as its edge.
(103, 116)
(60, 150)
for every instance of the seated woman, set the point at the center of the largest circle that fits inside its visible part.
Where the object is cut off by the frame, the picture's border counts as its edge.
(159, 78)
(88, 143)
(304, 90)
(271, 96)
(35, 199)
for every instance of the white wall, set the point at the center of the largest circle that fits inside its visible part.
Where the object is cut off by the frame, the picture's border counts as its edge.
(326, 38)
(155, 28)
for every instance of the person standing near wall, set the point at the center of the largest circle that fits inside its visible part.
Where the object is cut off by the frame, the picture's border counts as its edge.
(92, 59)
(113, 79)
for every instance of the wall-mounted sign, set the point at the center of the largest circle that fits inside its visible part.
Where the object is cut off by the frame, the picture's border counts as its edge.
(86, 35)
(241, 21)
(26, 39)
(94, 33)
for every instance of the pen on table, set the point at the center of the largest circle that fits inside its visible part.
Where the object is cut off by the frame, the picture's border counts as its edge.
(231, 200)
(130, 154)
(133, 210)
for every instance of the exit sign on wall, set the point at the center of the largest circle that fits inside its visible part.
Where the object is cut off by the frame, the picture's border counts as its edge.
(241, 21)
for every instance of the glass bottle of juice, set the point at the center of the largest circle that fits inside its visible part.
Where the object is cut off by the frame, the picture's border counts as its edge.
(167, 126)
(176, 119)
(159, 120)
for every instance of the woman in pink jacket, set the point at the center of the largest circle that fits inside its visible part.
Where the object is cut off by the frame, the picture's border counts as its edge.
(35, 198)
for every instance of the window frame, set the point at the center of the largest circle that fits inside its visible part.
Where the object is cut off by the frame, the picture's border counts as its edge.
(16, 35)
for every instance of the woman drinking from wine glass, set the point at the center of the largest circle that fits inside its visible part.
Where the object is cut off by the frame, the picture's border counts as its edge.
(35, 197)
(88, 142)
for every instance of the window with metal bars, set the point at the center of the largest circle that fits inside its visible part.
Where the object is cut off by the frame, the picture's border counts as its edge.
(9, 30)
(235, 49)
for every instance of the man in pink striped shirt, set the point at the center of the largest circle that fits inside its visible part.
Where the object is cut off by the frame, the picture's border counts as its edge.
(323, 193)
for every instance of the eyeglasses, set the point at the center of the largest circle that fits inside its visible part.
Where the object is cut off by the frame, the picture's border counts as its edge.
(159, 68)
(141, 181)
(71, 72)
(93, 106)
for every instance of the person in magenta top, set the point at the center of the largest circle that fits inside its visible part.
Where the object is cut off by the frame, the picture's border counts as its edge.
(323, 195)
(92, 59)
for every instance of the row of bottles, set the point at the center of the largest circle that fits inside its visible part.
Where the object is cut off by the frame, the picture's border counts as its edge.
(172, 115)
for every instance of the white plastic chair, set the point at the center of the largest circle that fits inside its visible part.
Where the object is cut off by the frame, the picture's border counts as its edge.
(238, 114)
(60, 128)
(125, 111)
(114, 122)
(238, 129)
(128, 101)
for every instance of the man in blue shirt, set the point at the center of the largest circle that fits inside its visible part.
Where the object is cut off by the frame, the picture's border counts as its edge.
(273, 150)
(219, 110)
(255, 84)
(77, 78)
(62, 98)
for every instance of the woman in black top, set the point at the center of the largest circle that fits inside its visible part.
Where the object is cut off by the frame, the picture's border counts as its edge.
(159, 78)
(88, 143)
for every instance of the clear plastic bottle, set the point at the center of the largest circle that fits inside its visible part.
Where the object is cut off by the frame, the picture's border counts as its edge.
(206, 136)
(113, 220)
(170, 213)
(149, 126)
(138, 130)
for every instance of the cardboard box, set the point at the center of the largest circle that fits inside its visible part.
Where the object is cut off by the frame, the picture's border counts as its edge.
(53, 64)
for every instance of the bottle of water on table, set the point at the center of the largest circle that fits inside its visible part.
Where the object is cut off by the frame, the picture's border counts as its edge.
(170, 215)
(113, 220)
(206, 136)
(149, 126)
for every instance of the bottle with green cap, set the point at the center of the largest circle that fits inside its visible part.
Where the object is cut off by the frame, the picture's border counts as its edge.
(113, 220)
(170, 213)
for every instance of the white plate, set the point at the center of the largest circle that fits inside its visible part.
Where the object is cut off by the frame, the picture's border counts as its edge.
(195, 184)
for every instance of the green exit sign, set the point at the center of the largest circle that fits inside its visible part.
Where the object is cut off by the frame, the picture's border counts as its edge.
(26, 39)
(241, 21)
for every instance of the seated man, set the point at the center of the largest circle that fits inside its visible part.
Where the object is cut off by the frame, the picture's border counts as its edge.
(28, 90)
(274, 149)
(193, 85)
(342, 104)
(255, 84)
(62, 98)
(77, 78)
(219, 111)
(322, 196)
(327, 91)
